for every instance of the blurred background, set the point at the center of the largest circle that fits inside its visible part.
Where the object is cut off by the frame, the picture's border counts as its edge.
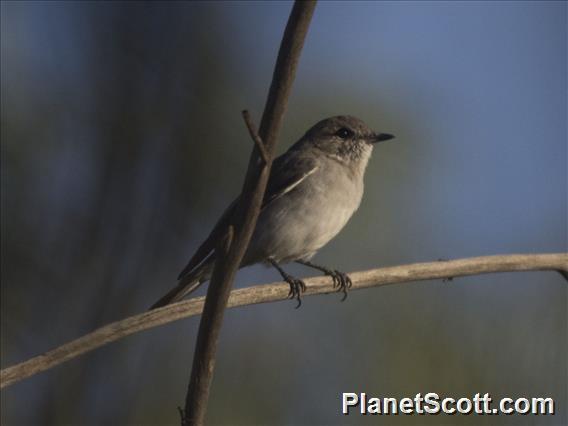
(122, 142)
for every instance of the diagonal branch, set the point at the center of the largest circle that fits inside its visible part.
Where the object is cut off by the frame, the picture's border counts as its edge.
(279, 291)
(255, 137)
(229, 257)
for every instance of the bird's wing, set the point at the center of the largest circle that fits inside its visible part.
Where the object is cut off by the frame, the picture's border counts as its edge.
(206, 248)
(287, 172)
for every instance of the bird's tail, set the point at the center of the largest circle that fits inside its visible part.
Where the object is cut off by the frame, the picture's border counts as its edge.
(187, 284)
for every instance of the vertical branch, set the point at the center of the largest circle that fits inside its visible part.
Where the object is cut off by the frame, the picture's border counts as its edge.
(250, 200)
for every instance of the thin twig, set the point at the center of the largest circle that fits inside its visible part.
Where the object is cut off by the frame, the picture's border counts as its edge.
(255, 137)
(273, 292)
(246, 214)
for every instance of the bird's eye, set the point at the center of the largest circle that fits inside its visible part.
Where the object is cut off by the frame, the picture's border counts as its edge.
(344, 133)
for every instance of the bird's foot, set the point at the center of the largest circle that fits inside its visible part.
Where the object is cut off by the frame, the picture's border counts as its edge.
(341, 280)
(297, 287)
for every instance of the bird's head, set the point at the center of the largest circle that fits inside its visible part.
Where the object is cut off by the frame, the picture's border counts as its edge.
(345, 138)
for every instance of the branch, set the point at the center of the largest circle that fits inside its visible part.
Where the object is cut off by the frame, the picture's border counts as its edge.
(277, 292)
(255, 137)
(230, 255)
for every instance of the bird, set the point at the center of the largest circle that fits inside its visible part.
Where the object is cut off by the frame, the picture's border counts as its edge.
(312, 191)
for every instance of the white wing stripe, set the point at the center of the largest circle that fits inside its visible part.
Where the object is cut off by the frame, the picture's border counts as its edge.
(299, 181)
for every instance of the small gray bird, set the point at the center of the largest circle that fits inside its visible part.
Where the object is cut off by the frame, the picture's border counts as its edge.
(313, 190)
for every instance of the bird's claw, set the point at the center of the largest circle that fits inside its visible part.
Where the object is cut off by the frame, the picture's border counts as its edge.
(297, 287)
(341, 281)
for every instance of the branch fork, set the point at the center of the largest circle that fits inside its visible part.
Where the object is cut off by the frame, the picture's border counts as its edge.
(256, 137)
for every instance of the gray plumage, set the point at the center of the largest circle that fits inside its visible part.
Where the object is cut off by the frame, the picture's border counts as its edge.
(313, 190)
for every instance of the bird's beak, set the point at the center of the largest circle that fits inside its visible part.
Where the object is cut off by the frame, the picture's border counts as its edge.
(380, 137)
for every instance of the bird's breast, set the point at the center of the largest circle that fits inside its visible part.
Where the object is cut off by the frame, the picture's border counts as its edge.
(302, 221)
